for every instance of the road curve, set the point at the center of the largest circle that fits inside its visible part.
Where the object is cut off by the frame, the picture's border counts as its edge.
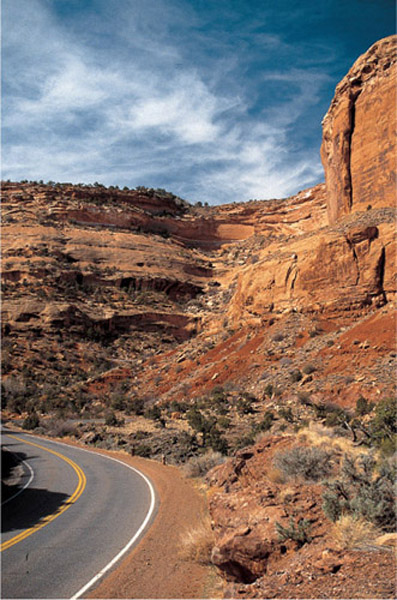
(75, 517)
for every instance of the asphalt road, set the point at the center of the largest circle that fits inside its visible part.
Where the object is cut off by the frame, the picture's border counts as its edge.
(74, 512)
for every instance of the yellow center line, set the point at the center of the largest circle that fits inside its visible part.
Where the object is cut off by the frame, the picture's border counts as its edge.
(46, 520)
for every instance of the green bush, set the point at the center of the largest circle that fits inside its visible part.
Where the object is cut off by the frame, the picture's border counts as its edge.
(207, 427)
(153, 413)
(363, 491)
(267, 421)
(384, 424)
(245, 440)
(299, 532)
(363, 406)
(331, 414)
(111, 419)
(216, 441)
(136, 406)
(31, 421)
(223, 422)
(307, 463)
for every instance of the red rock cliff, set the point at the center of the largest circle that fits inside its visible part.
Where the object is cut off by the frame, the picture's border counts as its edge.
(359, 134)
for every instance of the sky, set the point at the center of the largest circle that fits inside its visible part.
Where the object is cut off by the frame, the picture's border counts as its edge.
(214, 100)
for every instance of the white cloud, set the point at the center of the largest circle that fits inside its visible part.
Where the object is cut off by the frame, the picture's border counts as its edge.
(141, 113)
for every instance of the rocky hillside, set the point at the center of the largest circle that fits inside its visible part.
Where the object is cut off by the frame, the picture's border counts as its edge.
(132, 319)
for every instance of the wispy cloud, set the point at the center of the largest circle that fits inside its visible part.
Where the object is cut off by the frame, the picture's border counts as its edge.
(123, 99)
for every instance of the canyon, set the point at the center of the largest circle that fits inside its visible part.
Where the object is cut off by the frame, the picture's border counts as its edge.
(113, 298)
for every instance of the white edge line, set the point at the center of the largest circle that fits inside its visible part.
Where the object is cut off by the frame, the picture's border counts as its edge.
(26, 484)
(137, 533)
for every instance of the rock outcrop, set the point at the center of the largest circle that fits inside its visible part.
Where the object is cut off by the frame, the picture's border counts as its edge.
(359, 135)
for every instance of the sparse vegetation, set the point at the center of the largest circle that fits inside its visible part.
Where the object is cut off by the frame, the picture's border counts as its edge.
(197, 542)
(304, 462)
(31, 421)
(353, 532)
(198, 466)
(364, 490)
(298, 532)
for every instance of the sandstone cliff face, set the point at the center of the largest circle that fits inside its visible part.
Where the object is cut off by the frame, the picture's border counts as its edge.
(359, 134)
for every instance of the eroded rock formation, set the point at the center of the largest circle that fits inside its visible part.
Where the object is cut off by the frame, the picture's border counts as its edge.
(359, 135)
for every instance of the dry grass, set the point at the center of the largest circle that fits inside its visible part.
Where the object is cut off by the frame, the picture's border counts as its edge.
(287, 494)
(353, 532)
(275, 475)
(197, 542)
(319, 435)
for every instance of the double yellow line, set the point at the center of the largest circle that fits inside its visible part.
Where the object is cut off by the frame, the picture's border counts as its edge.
(46, 520)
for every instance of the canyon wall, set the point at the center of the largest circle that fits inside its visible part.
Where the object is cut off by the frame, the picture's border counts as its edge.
(359, 135)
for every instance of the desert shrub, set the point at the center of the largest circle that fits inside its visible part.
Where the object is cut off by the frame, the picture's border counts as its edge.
(384, 424)
(268, 391)
(212, 437)
(286, 413)
(244, 406)
(218, 393)
(332, 414)
(197, 542)
(199, 422)
(267, 421)
(223, 422)
(176, 406)
(136, 406)
(153, 413)
(305, 462)
(245, 440)
(308, 369)
(60, 428)
(142, 450)
(31, 421)
(298, 532)
(198, 466)
(350, 532)
(295, 375)
(216, 441)
(304, 398)
(363, 406)
(364, 491)
(112, 420)
(118, 402)
(315, 332)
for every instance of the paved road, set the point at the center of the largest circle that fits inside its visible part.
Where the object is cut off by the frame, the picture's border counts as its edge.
(78, 510)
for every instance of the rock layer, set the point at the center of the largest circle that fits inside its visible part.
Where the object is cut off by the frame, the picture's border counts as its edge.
(359, 132)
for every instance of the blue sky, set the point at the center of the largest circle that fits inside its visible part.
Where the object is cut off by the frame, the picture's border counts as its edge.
(214, 100)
